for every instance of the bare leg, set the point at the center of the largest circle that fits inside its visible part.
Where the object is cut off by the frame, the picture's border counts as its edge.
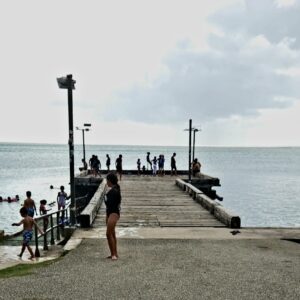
(111, 234)
(22, 250)
(30, 251)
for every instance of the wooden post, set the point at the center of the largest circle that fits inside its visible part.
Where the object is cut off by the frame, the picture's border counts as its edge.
(37, 251)
(45, 234)
(57, 227)
(52, 234)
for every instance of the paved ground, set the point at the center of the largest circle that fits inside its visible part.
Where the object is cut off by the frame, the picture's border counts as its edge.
(167, 269)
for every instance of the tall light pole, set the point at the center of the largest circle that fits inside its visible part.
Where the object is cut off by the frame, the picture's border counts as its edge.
(190, 129)
(83, 130)
(194, 139)
(69, 84)
(190, 146)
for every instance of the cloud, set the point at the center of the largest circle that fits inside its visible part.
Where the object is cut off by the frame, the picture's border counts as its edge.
(238, 75)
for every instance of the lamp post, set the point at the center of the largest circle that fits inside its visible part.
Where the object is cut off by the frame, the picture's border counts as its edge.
(83, 130)
(194, 139)
(190, 129)
(69, 84)
(190, 145)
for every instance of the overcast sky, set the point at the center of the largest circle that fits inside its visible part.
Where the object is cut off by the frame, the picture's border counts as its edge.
(144, 68)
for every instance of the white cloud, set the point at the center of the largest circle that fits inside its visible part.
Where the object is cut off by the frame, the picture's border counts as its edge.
(285, 3)
(131, 76)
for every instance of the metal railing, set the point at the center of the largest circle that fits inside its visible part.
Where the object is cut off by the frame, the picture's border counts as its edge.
(57, 227)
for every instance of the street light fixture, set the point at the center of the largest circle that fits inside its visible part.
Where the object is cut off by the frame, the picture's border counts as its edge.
(69, 84)
(83, 130)
(190, 129)
(190, 148)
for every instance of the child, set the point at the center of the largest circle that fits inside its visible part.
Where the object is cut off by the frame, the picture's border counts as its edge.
(154, 166)
(30, 205)
(61, 200)
(143, 170)
(43, 211)
(28, 223)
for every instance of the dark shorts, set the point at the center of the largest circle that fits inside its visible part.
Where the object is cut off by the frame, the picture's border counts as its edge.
(30, 212)
(27, 236)
(112, 212)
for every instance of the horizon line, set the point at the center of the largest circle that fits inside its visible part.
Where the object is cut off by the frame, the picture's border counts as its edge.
(147, 145)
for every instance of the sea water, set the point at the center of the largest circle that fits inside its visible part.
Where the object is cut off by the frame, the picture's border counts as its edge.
(261, 185)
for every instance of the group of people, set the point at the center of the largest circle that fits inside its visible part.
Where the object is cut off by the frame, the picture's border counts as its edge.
(157, 165)
(28, 211)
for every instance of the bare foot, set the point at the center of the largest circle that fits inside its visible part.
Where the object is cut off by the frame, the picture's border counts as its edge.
(114, 257)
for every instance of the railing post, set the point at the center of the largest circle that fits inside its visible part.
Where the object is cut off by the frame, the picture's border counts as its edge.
(57, 227)
(37, 251)
(45, 225)
(52, 234)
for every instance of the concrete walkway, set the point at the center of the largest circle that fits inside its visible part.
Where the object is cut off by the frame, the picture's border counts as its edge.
(213, 265)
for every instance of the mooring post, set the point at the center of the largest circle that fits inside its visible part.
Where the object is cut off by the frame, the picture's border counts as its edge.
(37, 251)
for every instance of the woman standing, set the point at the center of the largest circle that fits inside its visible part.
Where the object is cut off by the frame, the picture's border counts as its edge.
(112, 202)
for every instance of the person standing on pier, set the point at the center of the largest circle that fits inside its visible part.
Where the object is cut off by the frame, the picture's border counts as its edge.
(30, 205)
(112, 202)
(161, 162)
(96, 166)
(107, 162)
(119, 167)
(173, 165)
(154, 166)
(148, 160)
(139, 166)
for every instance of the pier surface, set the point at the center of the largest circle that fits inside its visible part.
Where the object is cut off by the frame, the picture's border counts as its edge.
(157, 202)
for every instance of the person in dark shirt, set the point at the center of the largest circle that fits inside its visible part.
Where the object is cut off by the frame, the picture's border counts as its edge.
(112, 202)
(119, 167)
(173, 165)
(138, 163)
(107, 162)
(148, 160)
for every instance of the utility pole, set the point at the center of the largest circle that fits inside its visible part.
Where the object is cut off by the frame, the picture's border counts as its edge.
(190, 150)
(69, 84)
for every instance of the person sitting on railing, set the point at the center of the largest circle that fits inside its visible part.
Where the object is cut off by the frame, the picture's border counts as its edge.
(85, 166)
(28, 223)
(196, 166)
(43, 211)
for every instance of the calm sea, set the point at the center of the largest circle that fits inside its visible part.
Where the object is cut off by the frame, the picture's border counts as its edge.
(262, 185)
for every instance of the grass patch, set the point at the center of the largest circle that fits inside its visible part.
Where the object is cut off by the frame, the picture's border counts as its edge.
(25, 269)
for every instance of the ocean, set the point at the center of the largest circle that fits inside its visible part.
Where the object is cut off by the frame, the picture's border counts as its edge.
(261, 185)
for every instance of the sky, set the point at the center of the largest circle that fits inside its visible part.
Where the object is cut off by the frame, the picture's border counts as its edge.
(144, 68)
